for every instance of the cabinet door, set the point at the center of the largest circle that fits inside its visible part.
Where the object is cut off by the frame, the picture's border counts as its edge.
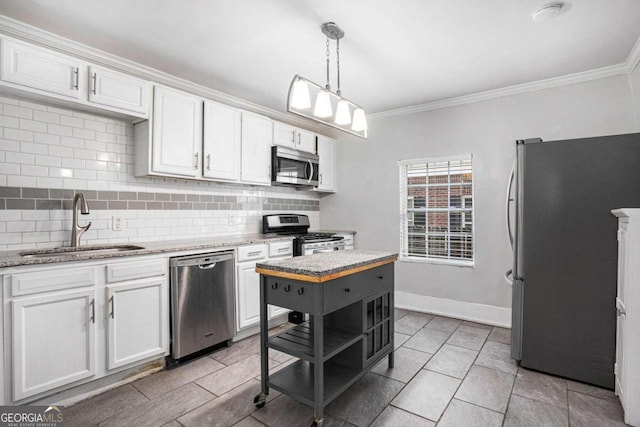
(248, 295)
(620, 368)
(221, 149)
(113, 89)
(284, 135)
(306, 141)
(257, 136)
(177, 133)
(42, 69)
(137, 317)
(378, 329)
(326, 152)
(53, 341)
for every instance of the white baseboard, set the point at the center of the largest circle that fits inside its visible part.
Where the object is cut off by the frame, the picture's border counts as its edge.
(481, 313)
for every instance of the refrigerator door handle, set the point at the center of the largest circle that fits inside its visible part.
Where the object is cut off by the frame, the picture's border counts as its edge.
(508, 205)
(508, 277)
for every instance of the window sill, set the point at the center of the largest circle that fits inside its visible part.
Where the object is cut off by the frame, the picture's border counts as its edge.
(454, 263)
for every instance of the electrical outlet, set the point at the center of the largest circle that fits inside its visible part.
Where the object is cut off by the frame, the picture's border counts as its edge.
(116, 223)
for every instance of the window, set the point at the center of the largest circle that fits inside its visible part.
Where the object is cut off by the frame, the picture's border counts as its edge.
(436, 210)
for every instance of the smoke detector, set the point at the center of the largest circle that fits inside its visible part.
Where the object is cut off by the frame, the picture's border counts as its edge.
(547, 12)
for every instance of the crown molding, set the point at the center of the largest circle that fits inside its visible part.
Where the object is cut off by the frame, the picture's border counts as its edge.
(585, 76)
(28, 33)
(634, 56)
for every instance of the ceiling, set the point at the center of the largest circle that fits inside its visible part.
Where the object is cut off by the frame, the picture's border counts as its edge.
(394, 54)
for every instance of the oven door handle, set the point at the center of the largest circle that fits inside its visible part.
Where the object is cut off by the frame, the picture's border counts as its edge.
(311, 173)
(322, 251)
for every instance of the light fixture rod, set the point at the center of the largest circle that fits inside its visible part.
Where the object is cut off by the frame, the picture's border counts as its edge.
(328, 86)
(338, 63)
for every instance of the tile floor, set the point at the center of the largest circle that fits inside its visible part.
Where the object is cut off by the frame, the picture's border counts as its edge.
(447, 373)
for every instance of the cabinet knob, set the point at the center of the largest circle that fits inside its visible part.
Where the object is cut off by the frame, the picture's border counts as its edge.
(300, 291)
(274, 285)
(287, 288)
(347, 290)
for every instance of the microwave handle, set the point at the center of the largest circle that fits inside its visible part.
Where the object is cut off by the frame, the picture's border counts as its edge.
(311, 174)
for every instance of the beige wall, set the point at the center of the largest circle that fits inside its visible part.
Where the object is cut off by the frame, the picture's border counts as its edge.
(367, 171)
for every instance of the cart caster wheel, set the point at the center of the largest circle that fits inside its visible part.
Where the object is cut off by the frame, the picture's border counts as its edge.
(260, 400)
(317, 423)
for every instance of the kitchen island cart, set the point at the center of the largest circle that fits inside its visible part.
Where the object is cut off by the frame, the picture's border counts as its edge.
(349, 299)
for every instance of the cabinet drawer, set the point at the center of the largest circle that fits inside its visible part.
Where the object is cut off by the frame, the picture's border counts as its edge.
(253, 252)
(349, 289)
(135, 270)
(280, 249)
(290, 294)
(52, 280)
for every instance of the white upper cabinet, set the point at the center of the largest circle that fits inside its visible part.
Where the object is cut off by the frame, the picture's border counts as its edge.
(306, 141)
(326, 153)
(177, 133)
(42, 69)
(221, 144)
(284, 135)
(118, 90)
(291, 137)
(257, 138)
(45, 74)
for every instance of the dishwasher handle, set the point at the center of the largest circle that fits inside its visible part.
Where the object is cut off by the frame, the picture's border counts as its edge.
(207, 266)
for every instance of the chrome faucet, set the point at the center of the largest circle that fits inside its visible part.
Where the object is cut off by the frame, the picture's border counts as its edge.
(76, 230)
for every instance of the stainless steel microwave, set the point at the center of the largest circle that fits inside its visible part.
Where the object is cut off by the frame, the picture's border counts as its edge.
(293, 167)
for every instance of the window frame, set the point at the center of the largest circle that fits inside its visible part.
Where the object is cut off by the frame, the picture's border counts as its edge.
(404, 255)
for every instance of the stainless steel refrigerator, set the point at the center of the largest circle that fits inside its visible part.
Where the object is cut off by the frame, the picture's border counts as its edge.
(565, 252)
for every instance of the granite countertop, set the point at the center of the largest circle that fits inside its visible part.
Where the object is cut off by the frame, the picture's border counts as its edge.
(326, 264)
(15, 259)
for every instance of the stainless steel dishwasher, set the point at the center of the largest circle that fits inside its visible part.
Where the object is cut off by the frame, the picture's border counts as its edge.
(202, 302)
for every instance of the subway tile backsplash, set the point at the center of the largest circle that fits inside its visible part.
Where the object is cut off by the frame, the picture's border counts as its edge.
(47, 154)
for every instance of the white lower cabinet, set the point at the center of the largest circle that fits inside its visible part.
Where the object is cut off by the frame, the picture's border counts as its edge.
(53, 340)
(71, 324)
(349, 239)
(248, 283)
(627, 370)
(248, 295)
(135, 324)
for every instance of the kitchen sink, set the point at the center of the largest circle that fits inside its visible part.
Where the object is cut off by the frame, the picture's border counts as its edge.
(70, 251)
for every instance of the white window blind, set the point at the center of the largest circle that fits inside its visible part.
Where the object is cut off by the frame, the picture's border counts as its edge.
(436, 210)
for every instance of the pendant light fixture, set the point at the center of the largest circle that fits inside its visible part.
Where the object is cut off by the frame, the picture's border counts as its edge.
(329, 108)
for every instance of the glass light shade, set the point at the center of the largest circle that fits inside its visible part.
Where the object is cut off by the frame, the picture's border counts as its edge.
(359, 120)
(323, 104)
(343, 115)
(300, 96)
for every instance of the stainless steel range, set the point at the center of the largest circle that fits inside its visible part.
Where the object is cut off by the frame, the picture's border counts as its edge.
(305, 243)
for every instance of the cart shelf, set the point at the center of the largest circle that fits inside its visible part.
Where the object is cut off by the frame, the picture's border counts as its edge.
(298, 341)
(296, 380)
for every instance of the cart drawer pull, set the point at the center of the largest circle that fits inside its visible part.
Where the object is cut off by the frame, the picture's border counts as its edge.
(287, 288)
(274, 285)
(347, 290)
(300, 291)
